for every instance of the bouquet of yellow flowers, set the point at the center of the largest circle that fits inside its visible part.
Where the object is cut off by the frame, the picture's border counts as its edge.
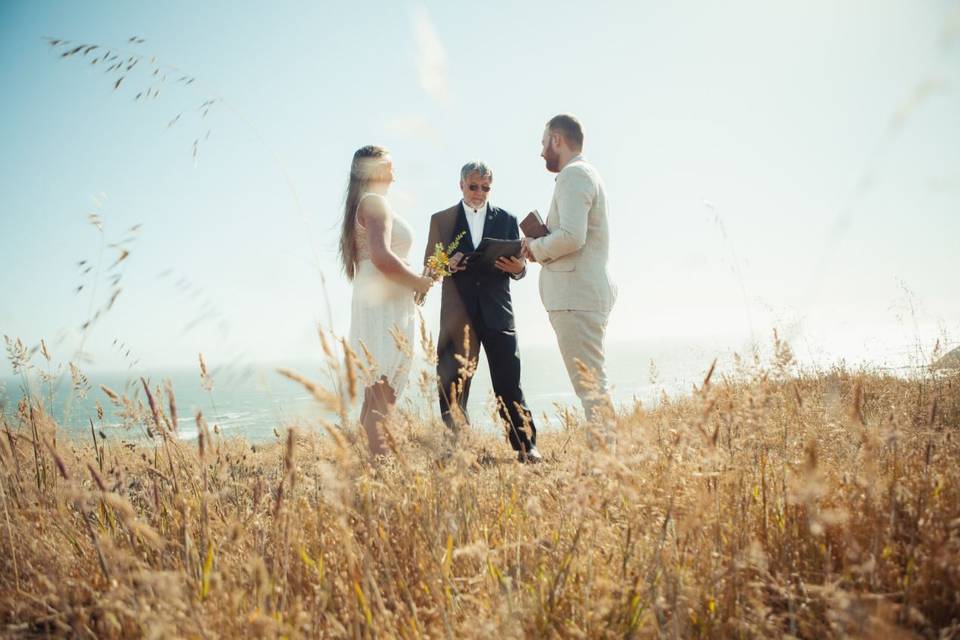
(438, 265)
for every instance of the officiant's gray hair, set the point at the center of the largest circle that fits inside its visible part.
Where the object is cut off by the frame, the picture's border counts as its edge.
(476, 166)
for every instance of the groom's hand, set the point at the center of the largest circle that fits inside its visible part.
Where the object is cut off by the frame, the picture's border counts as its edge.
(525, 250)
(511, 265)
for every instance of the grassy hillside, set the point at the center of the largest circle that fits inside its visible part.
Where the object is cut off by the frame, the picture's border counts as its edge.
(821, 504)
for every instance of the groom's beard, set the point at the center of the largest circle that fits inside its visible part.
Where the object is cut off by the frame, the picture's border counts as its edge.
(553, 162)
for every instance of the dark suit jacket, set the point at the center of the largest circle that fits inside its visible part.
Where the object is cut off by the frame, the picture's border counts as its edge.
(477, 292)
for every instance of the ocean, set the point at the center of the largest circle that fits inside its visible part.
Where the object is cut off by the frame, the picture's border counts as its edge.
(253, 400)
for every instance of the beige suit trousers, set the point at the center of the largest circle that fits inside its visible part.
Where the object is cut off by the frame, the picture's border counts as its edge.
(580, 337)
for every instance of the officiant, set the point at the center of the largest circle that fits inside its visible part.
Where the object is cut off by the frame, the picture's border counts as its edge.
(476, 300)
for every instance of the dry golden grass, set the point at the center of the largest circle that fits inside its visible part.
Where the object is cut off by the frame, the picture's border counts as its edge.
(817, 505)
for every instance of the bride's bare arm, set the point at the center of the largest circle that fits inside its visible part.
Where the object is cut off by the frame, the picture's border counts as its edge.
(375, 217)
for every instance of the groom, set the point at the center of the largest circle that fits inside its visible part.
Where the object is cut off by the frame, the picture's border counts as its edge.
(477, 299)
(575, 285)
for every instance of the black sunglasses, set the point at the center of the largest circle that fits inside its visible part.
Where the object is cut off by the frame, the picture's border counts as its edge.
(474, 187)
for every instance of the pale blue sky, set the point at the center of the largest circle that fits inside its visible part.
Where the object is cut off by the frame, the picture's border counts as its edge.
(824, 205)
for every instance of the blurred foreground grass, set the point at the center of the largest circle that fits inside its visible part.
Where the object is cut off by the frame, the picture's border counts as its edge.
(776, 502)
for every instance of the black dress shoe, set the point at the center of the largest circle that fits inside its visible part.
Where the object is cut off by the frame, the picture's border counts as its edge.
(531, 456)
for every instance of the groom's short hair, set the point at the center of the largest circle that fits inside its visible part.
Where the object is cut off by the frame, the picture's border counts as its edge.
(569, 128)
(476, 166)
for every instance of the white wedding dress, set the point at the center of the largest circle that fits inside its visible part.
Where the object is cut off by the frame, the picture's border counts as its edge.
(382, 309)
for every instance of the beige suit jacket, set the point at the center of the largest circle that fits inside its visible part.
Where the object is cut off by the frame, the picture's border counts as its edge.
(574, 254)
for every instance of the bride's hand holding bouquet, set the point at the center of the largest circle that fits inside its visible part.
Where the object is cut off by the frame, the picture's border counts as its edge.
(444, 262)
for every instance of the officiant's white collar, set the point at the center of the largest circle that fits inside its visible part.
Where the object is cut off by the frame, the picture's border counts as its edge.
(467, 208)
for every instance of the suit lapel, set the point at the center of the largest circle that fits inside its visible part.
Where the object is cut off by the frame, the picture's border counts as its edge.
(490, 222)
(460, 225)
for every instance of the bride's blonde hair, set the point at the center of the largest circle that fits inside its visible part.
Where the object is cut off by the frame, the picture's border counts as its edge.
(365, 168)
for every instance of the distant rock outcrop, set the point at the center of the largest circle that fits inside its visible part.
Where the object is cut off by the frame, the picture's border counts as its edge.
(949, 361)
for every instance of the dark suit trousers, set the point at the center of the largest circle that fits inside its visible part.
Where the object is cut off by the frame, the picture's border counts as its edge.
(503, 357)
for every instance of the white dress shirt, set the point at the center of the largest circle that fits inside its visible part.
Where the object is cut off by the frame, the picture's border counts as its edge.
(475, 220)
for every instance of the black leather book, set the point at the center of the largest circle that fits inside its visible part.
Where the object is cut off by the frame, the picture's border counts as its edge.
(490, 249)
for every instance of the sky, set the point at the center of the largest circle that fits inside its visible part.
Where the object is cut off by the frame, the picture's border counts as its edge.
(789, 166)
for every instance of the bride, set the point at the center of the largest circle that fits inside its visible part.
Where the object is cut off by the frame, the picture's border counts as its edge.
(374, 244)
